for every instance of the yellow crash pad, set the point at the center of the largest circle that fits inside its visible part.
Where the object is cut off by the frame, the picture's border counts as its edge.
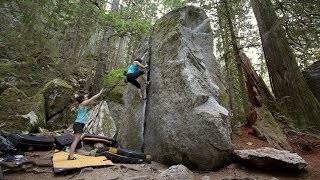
(60, 161)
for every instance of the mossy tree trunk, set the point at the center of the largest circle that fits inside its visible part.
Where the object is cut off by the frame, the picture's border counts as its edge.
(236, 52)
(287, 81)
(230, 81)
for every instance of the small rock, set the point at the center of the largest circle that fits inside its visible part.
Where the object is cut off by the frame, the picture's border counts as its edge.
(139, 178)
(249, 143)
(99, 145)
(110, 177)
(176, 172)
(206, 178)
(239, 178)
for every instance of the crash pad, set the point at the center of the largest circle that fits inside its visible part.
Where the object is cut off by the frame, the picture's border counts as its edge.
(96, 140)
(60, 162)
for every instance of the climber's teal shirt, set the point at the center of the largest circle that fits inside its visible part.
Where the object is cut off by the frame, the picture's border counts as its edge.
(81, 117)
(133, 69)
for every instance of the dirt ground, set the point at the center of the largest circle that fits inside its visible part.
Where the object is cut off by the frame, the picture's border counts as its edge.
(306, 146)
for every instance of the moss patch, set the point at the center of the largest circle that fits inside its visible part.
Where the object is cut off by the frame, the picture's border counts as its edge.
(167, 25)
(58, 82)
(29, 77)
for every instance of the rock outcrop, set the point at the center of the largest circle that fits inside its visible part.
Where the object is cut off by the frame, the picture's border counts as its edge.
(181, 122)
(19, 112)
(28, 76)
(312, 76)
(57, 94)
(271, 159)
(100, 121)
(46, 108)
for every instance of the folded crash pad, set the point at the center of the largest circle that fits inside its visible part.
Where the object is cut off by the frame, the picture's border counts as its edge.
(93, 138)
(123, 159)
(61, 164)
(65, 140)
(129, 153)
(87, 139)
(24, 142)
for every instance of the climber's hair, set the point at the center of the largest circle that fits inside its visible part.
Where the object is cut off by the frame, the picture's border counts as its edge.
(138, 59)
(80, 98)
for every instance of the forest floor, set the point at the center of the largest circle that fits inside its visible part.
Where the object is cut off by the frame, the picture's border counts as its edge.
(308, 147)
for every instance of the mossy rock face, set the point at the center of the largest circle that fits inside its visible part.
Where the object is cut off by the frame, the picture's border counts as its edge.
(57, 94)
(62, 120)
(19, 112)
(271, 129)
(27, 76)
(108, 126)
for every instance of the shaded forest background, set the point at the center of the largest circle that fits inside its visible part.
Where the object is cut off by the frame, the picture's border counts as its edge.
(93, 38)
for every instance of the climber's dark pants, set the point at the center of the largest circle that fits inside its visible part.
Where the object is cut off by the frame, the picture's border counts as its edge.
(131, 78)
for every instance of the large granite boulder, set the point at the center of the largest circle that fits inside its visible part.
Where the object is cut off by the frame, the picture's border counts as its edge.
(181, 122)
(57, 94)
(312, 76)
(63, 119)
(21, 113)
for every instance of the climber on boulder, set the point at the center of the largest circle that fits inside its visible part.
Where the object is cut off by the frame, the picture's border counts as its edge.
(134, 71)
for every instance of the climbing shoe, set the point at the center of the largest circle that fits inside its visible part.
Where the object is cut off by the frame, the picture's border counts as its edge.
(71, 158)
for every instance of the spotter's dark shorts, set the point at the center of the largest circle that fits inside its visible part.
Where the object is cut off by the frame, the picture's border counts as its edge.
(78, 127)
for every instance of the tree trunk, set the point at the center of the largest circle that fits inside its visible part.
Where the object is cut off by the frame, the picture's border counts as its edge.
(119, 61)
(238, 58)
(104, 49)
(287, 81)
(257, 88)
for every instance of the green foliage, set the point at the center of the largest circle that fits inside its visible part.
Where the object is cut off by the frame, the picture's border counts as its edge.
(301, 23)
(43, 29)
(115, 84)
(174, 4)
(123, 27)
(114, 77)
